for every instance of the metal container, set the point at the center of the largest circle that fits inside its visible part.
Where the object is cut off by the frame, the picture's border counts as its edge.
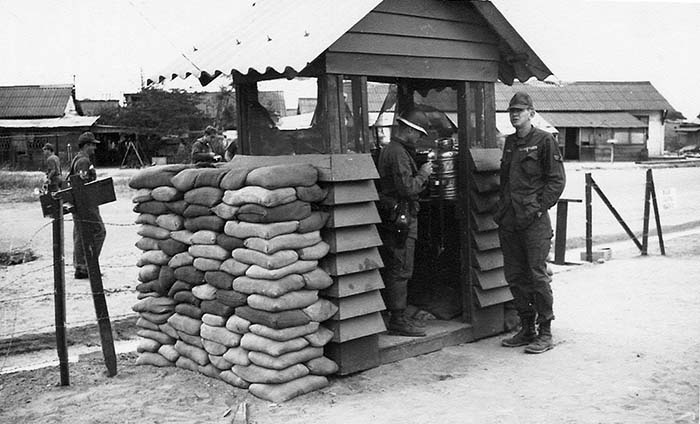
(443, 181)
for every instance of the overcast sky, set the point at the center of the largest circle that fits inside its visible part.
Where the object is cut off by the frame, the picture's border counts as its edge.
(108, 45)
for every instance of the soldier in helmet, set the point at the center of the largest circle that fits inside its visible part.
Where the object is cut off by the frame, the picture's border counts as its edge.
(532, 179)
(401, 181)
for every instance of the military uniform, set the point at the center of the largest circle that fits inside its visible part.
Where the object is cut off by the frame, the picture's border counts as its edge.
(82, 166)
(532, 179)
(53, 173)
(400, 179)
(202, 151)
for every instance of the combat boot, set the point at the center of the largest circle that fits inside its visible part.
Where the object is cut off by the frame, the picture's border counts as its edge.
(543, 341)
(525, 336)
(401, 325)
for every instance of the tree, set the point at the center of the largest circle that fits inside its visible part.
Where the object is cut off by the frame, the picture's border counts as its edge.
(158, 112)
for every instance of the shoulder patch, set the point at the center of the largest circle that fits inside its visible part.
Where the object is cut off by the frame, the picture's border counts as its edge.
(558, 157)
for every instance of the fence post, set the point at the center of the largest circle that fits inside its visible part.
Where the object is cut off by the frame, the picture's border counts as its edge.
(59, 292)
(645, 225)
(652, 190)
(560, 234)
(589, 219)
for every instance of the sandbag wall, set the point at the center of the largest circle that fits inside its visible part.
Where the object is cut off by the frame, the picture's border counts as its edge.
(229, 275)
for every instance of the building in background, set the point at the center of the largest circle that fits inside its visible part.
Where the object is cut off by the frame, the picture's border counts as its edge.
(32, 115)
(595, 117)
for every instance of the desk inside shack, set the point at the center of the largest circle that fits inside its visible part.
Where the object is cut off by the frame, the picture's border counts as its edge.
(436, 53)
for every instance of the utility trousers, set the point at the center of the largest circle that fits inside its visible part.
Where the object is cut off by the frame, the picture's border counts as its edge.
(524, 264)
(94, 226)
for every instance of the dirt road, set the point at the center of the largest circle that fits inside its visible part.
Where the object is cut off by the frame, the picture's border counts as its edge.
(628, 351)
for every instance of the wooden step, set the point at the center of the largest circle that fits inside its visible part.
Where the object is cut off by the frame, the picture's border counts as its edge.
(440, 334)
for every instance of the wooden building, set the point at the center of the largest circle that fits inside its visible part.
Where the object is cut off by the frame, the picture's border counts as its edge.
(421, 46)
(32, 115)
(590, 114)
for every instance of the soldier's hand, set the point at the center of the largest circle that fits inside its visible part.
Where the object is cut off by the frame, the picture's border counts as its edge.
(426, 168)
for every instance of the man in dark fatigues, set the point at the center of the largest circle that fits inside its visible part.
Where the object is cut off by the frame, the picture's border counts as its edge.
(401, 180)
(53, 169)
(82, 166)
(532, 179)
(208, 148)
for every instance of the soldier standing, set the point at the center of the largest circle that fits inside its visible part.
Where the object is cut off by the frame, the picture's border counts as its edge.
(82, 166)
(532, 179)
(401, 181)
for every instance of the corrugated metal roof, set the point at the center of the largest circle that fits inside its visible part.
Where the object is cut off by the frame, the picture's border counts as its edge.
(271, 35)
(587, 96)
(68, 121)
(593, 119)
(280, 38)
(34, 101)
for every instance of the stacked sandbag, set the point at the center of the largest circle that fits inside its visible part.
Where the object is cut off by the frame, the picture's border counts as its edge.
(156, 203)
(242, 253)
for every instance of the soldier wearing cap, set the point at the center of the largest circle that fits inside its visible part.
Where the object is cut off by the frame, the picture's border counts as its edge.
(532, 179)
(401, 180)
(208, 148)
(53, 169)
(82, 166)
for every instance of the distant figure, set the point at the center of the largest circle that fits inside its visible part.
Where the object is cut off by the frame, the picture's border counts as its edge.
(53, 169)
(208, 148)
(532, 179)
(82, 166)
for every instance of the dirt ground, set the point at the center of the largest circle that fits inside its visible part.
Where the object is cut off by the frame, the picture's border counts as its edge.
(628, 351)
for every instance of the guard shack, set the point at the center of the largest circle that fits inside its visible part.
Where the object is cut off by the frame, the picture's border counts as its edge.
(419, 46)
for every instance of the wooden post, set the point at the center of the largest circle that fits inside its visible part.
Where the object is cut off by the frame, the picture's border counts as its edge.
(466, 135)
(490, 115)
(645, 226)
(85, 196)
(560, 237)
(244, 92)
(331, 96)
(652, 189)
(404, 97)
(478, 102)
(59, 292)
(589, 218)
(360, 113)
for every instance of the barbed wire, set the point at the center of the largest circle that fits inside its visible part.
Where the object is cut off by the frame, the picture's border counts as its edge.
(26, 274)
(69, 325)
(68, 294)
(9, 346)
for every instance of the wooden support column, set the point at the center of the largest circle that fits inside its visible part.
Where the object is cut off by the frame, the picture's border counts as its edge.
(466, 135)
(490, 115)
(245, 92)
(331, 96)
(477, 94)
(404, 97)
(360, 114)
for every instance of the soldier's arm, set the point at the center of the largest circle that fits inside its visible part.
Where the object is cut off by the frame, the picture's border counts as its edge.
(553, 173)
(200, 153)
(406, 184)
(52, 170)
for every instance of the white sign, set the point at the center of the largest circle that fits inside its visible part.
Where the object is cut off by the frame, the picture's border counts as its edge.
(667, 198)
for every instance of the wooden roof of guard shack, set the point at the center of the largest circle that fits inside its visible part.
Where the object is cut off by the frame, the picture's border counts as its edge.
(418, 45)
